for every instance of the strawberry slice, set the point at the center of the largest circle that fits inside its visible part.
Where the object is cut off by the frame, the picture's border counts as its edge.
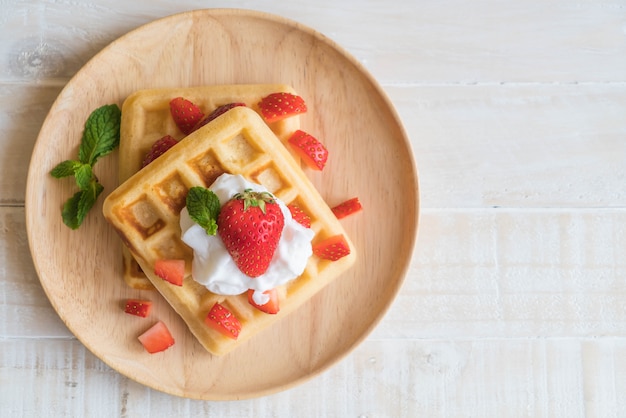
(222, 320)
(159, 148)
(299, 215)
(312, 151)
(277, 106)
(271, 306)
(332, 248)
(213, 115)
(157, 338)
(138, 307)
(186, 114)
(172, 270)
(346, 208)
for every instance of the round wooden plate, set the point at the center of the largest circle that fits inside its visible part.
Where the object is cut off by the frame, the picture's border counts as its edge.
(370, 157)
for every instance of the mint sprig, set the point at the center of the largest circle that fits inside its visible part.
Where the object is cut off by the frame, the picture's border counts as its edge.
(100, 136)
(203, 206)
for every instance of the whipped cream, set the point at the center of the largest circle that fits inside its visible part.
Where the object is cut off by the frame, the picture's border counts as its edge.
(213, 266)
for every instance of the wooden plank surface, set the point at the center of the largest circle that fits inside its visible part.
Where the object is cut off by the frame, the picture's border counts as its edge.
(450, 41)
(517, 146)
(514, 302)
(451, 377)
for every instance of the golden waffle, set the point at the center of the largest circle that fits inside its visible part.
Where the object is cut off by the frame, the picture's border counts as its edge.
(145, 212)
(146, 118)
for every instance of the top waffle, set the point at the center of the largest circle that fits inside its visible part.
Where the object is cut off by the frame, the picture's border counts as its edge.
(146, 118)
(145, 212)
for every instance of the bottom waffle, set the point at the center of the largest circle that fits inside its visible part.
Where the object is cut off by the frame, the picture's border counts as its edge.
(146, 118)
(145, 209)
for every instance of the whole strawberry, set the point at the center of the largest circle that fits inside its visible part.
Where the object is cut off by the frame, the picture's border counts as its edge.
(250, 225)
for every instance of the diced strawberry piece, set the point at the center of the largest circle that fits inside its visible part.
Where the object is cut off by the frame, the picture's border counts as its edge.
(332, 248)
(271, 306)
(159, 148)
(277, 106)
(299, 215)
(138, 307)
(312, 151)
(185, 113)
(172, 271)
(217, 112)
(348, 207)
(157, 338)
(222, 320)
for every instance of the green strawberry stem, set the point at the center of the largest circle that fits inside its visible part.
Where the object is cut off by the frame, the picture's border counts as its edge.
(254, 199)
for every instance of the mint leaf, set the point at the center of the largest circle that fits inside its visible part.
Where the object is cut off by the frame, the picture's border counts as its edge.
(88, 199)
(203, 206)
(76, 208)
(84, 176)
(70, 211)
(101, 134)
(65, 169)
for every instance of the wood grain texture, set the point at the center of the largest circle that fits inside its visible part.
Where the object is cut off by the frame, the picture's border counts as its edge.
(23, 109)
(476, 377)
(517, 146)
(516, 274)
(427, 41)
(24, 307)
(513, 303)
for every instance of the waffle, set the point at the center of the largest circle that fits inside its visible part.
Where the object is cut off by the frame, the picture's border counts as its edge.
(146, 118)
(144, 210)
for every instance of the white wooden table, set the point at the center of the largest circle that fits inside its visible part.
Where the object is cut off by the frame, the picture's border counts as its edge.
(515, 302)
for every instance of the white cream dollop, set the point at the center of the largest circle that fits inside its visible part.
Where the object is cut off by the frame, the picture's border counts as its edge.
(213, 266)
